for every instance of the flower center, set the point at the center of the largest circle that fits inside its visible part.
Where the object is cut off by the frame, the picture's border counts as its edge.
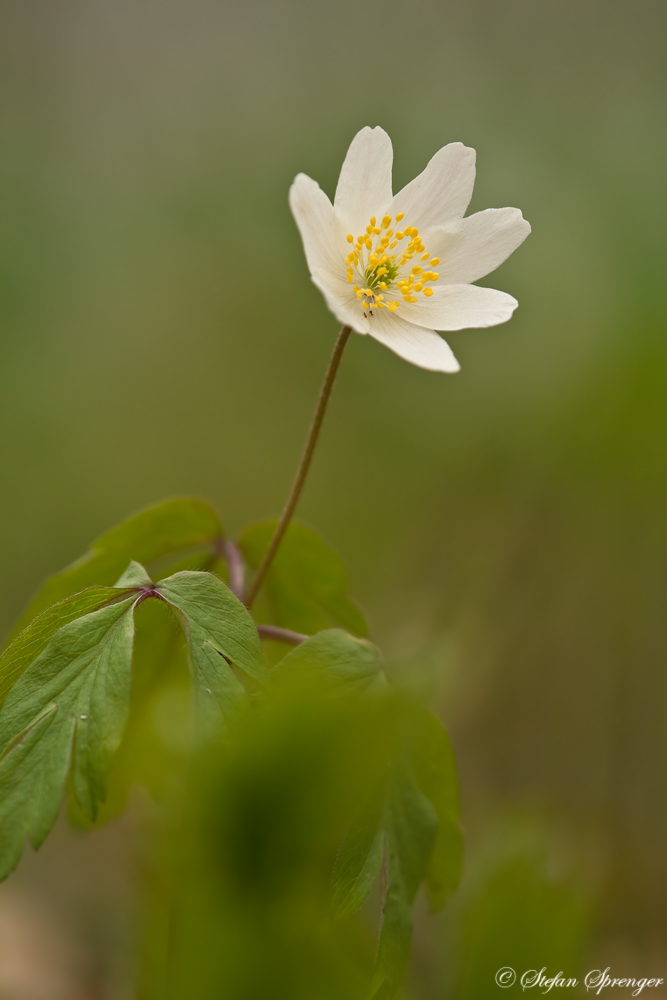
(381, 261)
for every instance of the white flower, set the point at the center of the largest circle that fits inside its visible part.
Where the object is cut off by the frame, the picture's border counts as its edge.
(400, 266)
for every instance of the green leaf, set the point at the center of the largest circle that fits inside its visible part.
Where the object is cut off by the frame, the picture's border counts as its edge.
(68, 709)
(30, 643)
(395, 936)
(411, 825)
(220, 632)
(134, 576)
(359, 861)
(349, 663)
(306, 587)
(435, 774)
(164, 528)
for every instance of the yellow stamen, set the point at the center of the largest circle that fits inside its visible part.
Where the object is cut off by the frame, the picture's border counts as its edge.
(436, 260)
(374, 258)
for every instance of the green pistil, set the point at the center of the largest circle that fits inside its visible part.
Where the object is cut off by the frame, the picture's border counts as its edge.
(373, 279)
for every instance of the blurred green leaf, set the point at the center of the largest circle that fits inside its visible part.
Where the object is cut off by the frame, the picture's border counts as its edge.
(70, 705)
(29, 644)
(359, 862)
(411, 824)
(164, 528)
(349, 663)
(395, 936)
(220, 633)
(306, 588)
(435, 774)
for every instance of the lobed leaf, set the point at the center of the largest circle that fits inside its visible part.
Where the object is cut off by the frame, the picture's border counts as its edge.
(32, 640)
(306, 588)
(68, 709)
(220, 632)
(414, 818)
(351, 664)
(164, 528)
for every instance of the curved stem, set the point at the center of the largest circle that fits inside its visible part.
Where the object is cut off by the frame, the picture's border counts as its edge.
(304, 464)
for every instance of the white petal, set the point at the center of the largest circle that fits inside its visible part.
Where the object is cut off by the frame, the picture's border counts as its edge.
(421, 347)
(364, 185)
(313, 213)
(341, 300)
(477, 245)
(442, 192)
(459, 307)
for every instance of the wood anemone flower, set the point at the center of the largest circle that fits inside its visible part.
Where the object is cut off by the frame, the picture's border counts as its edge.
(400, 267)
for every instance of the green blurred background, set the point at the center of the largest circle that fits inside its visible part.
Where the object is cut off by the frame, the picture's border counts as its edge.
(505, 527)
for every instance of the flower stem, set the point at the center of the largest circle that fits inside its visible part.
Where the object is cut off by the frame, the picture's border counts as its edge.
(304, 464)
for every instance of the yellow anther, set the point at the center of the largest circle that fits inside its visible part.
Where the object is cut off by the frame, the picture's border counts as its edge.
(383, 285)
(386, 222)
(426, 256)
(428, 291)
(394, 244)
(408, 230)
(381, 271)
(376, 230)
(436, 260)
(399, 236)
(418, 286)
(400, 216)
(373, 259)
(369, 229)
(434, 276)
(393, 306)
(350, 275)
(350, 238)
(372, 220)
(379, 298)
(417, 270)
(390, 232)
